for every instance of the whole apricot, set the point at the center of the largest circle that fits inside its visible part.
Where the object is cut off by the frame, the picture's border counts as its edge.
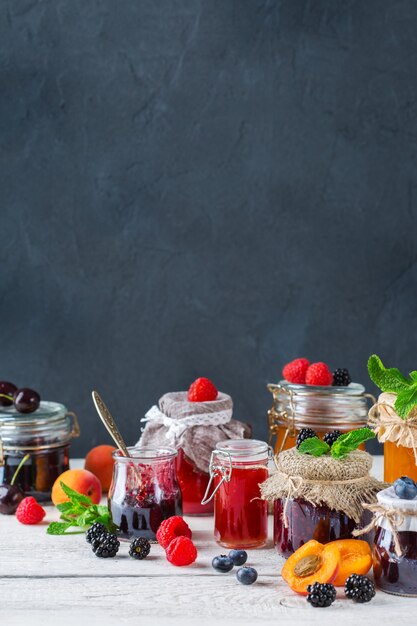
(100, 461)
(80, 480)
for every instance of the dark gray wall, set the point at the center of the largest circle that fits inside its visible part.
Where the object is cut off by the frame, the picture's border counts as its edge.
(204, 188)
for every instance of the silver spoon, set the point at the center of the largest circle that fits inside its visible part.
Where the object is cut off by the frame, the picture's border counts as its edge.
(109, 423)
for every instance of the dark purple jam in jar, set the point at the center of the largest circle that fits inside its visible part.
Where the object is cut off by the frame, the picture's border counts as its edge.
(144, 491)
(395, 574)
(306, 522)
(396, 571)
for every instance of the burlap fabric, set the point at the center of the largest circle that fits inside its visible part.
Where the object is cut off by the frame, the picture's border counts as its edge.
(196, 427)
(341, 484)
(389, 426)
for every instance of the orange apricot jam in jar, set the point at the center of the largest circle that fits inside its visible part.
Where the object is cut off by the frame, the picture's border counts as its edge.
(399, 436)
(309, 406)
(237, 468)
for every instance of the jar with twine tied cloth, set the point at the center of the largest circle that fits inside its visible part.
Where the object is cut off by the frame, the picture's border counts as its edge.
(395, 545)
(319, 497)
(193, 428)
(398, 435)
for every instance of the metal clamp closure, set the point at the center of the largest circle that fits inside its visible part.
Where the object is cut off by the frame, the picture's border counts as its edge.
(225, 471)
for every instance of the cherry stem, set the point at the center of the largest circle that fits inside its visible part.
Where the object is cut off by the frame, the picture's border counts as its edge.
(22, 462)
(4, 395)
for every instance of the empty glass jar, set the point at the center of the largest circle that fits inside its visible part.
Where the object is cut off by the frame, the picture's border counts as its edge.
(144, 491)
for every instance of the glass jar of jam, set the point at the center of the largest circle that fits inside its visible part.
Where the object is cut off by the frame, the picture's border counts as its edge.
(395, 562)
(237, 468)
(307, 521)
(400, 458)
(320, 408)
(45, 436)
(193, 485)
(144, 491)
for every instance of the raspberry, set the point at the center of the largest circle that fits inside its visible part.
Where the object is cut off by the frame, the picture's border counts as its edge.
(181, 551)
(295, 372)
(319, 374)
(202, 390)
(29, 511)
(172, 528)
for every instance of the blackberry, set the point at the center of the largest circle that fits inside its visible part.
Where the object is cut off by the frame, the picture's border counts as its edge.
(107, 547)
(94, 531)
(139, 548)
(330, 438)
(359, 588)
(341, 377)
(305, 433)
(321, 594)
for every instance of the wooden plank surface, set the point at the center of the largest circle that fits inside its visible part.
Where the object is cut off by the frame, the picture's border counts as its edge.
(57, 580)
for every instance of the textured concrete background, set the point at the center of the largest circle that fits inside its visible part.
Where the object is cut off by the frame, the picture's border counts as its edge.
(204, 188)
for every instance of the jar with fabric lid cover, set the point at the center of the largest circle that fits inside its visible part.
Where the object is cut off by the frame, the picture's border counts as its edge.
(193, 429)
(44, 435)
(309, 406)
(319, 498)
(395, 544)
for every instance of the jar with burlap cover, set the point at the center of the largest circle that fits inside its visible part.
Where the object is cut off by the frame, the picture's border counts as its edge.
(325, 493)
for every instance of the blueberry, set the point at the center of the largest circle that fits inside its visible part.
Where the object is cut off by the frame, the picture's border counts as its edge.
(405, 488)
(239, 557)
(222, 563)
(246, 575)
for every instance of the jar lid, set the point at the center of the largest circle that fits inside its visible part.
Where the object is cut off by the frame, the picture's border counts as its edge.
(243, 449)
(50, 424)
(388, 498)
(319, 407)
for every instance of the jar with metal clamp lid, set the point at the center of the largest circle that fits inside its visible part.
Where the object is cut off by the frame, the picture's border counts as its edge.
(321, 408)
(237, 468)
(44, 435)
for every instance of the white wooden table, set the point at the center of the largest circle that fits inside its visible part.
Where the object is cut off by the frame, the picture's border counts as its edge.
(55, 581)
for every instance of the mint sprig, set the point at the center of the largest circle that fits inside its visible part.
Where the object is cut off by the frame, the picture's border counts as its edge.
(314, 446)
(80, 513)
(390, 380)
(350, 441)
(340, 448)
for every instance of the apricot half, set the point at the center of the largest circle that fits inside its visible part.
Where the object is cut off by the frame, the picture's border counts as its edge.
(313, 562)
(355, 558)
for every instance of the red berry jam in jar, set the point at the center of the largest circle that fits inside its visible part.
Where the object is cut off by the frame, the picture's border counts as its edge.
(45, 436)
(193, 485)
(395, 565)
(144, 491)
(307, 521)
(238, 466)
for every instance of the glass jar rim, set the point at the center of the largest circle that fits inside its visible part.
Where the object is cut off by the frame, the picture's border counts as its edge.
(242, 447)
(353, 389)
(138, 454)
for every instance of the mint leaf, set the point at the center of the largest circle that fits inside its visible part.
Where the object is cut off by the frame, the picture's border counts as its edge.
(390, 380)
(314, 446)
(350, 441)
(68, 507)
(406, 400)
(58, 528)
(413, 375)
(74, 496)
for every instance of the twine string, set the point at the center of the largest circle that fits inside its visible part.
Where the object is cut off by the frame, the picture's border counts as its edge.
(394, 517)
